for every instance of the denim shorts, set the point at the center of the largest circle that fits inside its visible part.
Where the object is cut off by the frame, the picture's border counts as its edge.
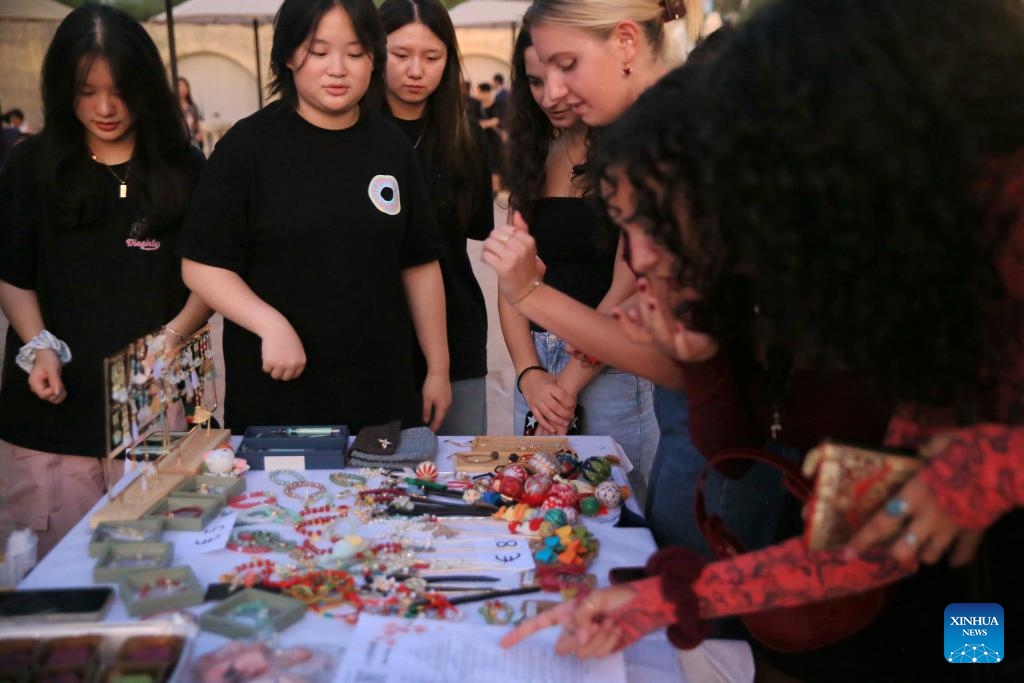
(615, 404)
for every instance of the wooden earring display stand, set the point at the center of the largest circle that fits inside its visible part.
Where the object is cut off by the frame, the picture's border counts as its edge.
(184, 459)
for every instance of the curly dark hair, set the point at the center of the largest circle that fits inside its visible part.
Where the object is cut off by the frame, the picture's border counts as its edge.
(848, 169)
(532, 132)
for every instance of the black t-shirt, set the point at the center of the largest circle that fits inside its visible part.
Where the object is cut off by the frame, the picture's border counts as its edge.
(465, 307)
(576, 246)
(320, 224)
(99, 288)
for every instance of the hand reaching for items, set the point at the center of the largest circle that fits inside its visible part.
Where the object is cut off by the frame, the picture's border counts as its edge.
(603, 622)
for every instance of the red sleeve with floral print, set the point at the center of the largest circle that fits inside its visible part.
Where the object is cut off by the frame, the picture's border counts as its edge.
(979, 476)
(782, 575)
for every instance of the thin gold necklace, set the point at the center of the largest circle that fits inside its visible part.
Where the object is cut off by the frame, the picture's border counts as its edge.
(123, 190)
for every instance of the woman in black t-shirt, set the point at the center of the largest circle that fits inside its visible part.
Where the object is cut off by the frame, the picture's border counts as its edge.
(313, 234)
(89, 212)
(424, 95)
(548, 179)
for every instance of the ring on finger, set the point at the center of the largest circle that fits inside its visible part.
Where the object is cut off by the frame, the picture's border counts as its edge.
(897, 507)
(910, 538)
(505, 238)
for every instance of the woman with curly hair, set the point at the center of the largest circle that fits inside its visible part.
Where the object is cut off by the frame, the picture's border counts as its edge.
(548, 181)
(847, 227)
(424, 97)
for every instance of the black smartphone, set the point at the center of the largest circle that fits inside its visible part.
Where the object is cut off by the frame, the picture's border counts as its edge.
(57, 604)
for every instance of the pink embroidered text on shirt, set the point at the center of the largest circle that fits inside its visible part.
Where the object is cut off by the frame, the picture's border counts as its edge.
(144, 245)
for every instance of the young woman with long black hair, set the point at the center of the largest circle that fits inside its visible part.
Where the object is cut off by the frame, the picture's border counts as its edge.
(90, 210)
(424, 97)
(313, 233)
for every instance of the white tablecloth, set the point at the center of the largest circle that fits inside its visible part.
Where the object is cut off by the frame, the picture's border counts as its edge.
(648, 661)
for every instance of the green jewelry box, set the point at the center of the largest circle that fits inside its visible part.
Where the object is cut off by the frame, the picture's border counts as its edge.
(182, 513)
(122, 559)
(250, 612)
(107, 534)
(146, 593)
(224, 488)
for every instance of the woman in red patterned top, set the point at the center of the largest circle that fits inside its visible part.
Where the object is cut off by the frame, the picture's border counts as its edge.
(887, 267)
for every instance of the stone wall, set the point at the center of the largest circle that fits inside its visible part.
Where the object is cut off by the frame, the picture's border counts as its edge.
(23, 45)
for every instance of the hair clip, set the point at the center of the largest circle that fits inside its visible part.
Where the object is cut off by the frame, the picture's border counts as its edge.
(672, 10)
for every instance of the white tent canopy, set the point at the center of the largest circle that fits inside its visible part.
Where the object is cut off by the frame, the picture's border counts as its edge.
(224, 12)
(38, 10)
(254, 12)
(489, 13)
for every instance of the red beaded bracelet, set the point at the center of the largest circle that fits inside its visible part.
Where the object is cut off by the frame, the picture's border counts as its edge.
(252, 499)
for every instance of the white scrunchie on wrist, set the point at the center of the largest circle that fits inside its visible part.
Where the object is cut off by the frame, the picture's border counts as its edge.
(44, 340)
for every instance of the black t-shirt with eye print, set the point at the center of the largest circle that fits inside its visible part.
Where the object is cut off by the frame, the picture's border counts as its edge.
(320, 224)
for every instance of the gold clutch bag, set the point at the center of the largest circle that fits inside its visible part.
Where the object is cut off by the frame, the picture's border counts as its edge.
(851, 485)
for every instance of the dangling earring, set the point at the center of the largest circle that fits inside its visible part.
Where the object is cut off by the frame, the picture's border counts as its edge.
(626, 70)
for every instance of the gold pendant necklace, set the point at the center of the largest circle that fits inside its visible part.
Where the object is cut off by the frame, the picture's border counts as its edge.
(123, 190)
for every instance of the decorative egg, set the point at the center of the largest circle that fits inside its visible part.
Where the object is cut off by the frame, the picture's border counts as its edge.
(426, 471)
(596, 470)
(571, 515)
(510, 487)
(516, 472)
(590, 506)
(568, 464)
(564, 493)
(544, 463)
(608, 494)
(551, 503)
(537, 485)
(556, 516)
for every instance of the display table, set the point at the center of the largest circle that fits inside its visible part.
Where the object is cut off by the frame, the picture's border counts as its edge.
(652, 659)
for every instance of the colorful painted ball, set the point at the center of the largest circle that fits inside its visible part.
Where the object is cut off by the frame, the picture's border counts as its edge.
(608, 494)
(516, 472)
(510, 487)
(544, 463)
(535, 489)
(551, 503)
(571, 515)
(568, 464)
(556, 516)
(564, 493)
(426, 471)
(590, 506)
(596, 470)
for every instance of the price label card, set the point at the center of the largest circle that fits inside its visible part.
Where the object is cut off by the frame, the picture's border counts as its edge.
(213, 537)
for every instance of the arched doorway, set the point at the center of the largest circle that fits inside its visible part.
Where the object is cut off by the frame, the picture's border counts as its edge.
(223, 89)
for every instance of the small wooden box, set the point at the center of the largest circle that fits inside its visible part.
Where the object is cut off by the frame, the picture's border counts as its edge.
(122, 559)
(250, 612)
(158, 590)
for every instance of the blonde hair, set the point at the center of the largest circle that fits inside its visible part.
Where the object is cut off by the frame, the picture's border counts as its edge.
(599, 17)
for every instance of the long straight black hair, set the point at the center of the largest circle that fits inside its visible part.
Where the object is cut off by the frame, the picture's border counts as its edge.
(447, 136)
(75, 184)
(296, 21)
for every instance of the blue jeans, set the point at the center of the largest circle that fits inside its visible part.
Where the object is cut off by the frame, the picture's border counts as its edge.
(615, 404)
(468, 414)
(750, 506)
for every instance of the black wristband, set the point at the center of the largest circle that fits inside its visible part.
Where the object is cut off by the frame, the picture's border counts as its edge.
(519, 377)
